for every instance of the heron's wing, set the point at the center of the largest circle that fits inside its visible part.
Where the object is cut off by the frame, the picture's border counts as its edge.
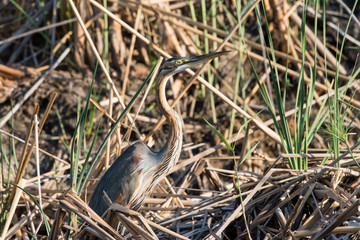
(121, 179)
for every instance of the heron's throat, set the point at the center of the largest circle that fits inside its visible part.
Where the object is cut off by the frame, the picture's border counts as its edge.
(174, 142)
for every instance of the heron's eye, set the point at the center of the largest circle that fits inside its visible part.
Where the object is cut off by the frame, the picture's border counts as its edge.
(178, 62)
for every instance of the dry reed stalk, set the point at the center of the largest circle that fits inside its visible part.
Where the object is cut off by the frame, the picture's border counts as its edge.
(9, 72)
(14, 203)
(37, 30)
(36, 133)
(131, 52)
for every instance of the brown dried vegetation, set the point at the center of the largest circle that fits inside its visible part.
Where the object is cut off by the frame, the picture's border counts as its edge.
(47, 61)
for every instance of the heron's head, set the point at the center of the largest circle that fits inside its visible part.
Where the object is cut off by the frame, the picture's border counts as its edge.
(178, 64)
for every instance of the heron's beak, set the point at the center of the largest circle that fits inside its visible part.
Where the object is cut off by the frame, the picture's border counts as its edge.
(192, 61)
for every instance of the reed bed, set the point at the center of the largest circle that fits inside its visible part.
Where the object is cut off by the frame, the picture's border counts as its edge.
(271, 129)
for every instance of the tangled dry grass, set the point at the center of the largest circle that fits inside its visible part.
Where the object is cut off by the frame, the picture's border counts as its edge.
(49, 51)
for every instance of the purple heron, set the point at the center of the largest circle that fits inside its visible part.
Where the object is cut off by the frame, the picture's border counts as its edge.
(138, 169)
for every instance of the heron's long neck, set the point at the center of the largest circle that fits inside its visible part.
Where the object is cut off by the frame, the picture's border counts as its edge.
(173, 146)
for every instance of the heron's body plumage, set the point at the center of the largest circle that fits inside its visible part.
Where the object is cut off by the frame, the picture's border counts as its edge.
(125, 177)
